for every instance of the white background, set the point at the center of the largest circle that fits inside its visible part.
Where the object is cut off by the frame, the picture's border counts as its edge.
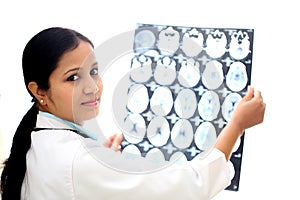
(270, 167)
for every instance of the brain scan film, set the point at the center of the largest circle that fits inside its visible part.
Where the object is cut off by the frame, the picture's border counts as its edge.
(184, 84)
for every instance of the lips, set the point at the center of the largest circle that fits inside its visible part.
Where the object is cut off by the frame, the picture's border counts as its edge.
(91, 103)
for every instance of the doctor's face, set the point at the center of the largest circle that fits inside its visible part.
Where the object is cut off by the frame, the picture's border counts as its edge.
(75, 86)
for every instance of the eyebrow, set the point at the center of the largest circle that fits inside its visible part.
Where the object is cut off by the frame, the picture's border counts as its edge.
(94, 64)
(71, 70)
(78, 68)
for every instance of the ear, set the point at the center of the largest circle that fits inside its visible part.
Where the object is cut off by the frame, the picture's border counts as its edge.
(38, 93)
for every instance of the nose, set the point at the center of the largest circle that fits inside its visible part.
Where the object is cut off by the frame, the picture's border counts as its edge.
(92, 86)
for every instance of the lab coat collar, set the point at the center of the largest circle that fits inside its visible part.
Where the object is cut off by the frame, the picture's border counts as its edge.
(47, 120)
(44, 121)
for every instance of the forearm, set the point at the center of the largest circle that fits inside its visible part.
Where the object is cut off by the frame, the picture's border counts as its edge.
(227, 139)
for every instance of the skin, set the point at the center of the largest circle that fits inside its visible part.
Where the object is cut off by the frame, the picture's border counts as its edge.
(75, 89)
(248, 113)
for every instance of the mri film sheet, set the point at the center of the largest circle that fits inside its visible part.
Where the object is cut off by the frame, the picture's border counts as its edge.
(184, 84)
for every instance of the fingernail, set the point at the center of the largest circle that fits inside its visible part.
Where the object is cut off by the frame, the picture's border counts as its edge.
(116, 147)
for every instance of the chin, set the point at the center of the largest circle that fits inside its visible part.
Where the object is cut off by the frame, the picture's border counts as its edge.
(82, 116)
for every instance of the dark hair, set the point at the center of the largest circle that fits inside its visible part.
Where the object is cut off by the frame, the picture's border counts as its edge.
(40, 57)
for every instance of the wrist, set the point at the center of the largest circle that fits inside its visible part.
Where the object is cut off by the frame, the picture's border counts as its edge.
(235, 128)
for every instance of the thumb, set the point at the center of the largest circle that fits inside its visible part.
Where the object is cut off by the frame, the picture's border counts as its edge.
(249, 94)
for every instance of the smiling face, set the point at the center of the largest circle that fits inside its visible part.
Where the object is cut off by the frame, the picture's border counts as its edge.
(75, 86)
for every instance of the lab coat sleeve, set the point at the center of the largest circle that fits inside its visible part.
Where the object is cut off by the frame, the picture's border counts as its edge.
(197, 179)
(214, 171)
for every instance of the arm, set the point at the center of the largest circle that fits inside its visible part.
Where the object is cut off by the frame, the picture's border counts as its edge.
(249, 112)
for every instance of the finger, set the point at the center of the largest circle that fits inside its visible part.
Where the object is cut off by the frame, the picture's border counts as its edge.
(258, 96)
(110, 140)
(249, 94)
(257, 93)
(116, 145)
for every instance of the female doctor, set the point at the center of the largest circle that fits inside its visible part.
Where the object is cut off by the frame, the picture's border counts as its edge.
(48, 159)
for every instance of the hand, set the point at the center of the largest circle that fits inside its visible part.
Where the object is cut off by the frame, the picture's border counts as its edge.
(249, 111)
(114, 142)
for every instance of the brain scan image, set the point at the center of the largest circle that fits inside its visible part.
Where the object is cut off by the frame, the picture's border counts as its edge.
(209, 106)
(185, 103)
(192, 42)
(212, 77)
(137, 98)
(158, 131)
(184, 84)
(232, 170)
(229, 105)
(178, 157)
(189, 73)
(165, 71)
(168, 41)
(239, 46)
(205, 136)
(161, 101)
(155, 156)
(216, 44)
(131, 151)
(135, 128)
(182, 134)
(141, 69)
(236, 78)
(144, 39)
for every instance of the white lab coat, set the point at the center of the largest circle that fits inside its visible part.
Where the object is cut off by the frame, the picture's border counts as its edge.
(61, 166)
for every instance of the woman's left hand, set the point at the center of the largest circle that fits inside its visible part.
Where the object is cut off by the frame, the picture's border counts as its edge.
(114, 142)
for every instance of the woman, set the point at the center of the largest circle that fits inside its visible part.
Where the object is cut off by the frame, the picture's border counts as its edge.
(48, 160)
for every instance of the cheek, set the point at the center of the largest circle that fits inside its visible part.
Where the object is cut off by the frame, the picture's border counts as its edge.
(78, 90)
(100, 86)
(68, 96)
(64, 95)
(67, 99)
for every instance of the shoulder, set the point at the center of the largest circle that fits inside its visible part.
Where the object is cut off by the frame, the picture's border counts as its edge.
(54, 134)
(54, 144)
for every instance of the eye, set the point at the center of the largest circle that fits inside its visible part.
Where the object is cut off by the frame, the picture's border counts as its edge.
(73, 77)
(94, 71)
